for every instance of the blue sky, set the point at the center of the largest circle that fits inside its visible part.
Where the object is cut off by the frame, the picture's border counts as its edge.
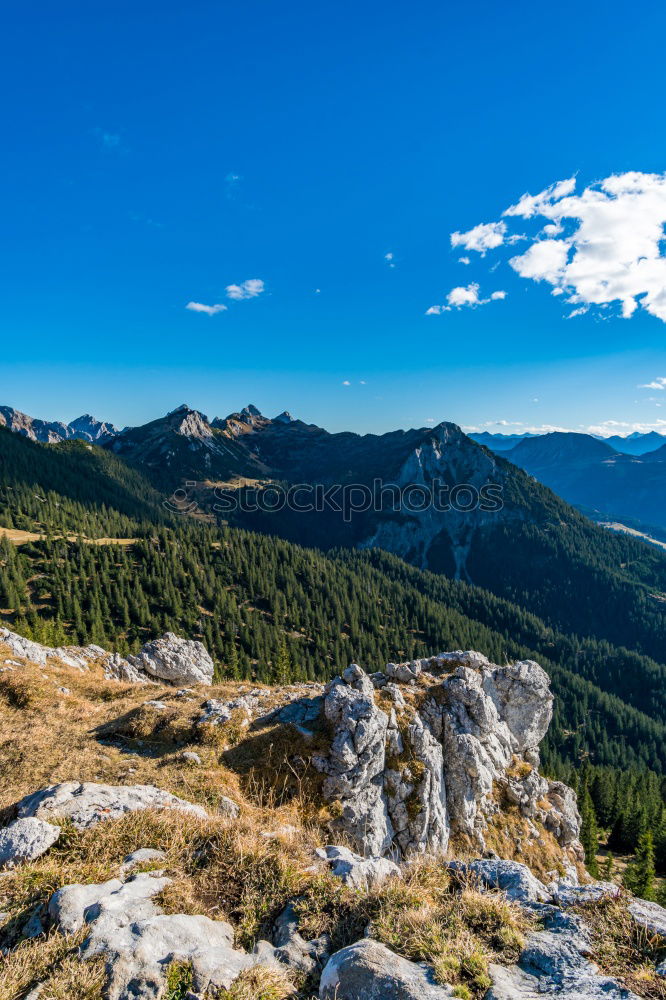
(156, 155)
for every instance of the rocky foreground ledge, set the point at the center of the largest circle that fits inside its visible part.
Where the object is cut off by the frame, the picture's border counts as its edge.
(400, 893)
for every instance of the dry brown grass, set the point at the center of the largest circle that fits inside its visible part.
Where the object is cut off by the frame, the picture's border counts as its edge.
(103, 731)
(623, 949)
(260, 984)
(54, 962)
(509, 835)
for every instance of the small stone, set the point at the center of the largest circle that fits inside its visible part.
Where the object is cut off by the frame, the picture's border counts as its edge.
(190, 757)
(358, 872)
(227, 807)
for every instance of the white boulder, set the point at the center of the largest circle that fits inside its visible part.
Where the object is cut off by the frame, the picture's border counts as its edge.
(369, 970)
(26, 839)
(87, 803)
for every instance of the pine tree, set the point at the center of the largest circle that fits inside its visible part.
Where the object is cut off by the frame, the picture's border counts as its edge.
(639, 874)
(609, 867)
(589, 833)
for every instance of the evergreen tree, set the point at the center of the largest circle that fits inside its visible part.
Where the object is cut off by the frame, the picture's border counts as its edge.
(589, 833)
(640, 872)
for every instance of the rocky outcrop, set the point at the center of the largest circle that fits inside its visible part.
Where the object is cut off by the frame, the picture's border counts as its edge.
(86, 804)
(433, 747)
(169, 659)
(354, 766)
(25, 840)
(78, 657)
(649, 915)
(372, 971)
(290, 948)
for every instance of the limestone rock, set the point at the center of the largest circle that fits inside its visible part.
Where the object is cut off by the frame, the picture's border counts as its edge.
(25, 840)
(563, 818)
(358, 872)
(555, 963)
(139, 942)
(513, 878)
(227, 807)
(467, 731)
(355, 763)
(140, 857)
(576, 895)
(649, 915)
(416, 794)
(289, 947)
(371, 971)
(175, 660)
(88, 803)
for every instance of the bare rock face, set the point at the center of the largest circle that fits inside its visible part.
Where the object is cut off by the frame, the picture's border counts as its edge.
(175, 660)
(87, 804)
(355, 764)
(416, 795)
(433, 746)
(25, 840)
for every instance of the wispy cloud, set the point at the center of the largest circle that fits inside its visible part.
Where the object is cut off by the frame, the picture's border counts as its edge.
(602, 247)
(346, 382)
(464, 295)
(658, 383)
(201, 307)
(390, 259)
(248, 289)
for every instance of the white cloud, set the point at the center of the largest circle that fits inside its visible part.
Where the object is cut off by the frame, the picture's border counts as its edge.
(484, 237)
(464, 260)
(390, 259)
(605, 246)
(464, 295)
(658, 383)
(199, 307)
(530, 205)
(346, 382)
(246, 290)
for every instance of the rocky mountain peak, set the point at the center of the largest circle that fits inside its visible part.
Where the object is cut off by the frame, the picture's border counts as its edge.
(284, 418)
(84, 428)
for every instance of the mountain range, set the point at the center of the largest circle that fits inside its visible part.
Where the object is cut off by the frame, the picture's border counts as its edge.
(636, 443)
(84, 428)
